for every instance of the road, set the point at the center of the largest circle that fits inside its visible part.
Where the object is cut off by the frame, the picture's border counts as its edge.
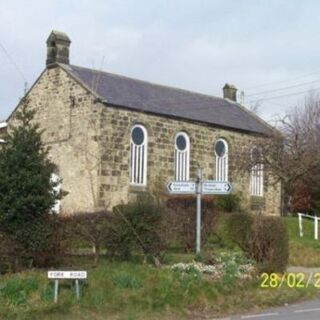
(308, 310)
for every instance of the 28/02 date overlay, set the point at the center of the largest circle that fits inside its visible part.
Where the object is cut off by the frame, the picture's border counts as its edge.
(290, 279)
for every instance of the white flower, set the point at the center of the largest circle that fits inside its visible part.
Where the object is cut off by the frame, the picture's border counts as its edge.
(225, 262)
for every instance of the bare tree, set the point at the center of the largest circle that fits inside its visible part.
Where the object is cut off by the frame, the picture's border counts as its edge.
(291, 151)
(255, 107)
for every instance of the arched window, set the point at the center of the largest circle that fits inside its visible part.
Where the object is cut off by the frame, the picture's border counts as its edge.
(138, 158)
(256, 181)
(182, 156)
(221, 152)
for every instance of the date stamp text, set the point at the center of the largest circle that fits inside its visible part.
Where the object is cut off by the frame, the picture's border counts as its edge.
(290, 280)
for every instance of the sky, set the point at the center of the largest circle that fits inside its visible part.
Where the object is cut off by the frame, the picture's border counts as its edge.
(268, 49)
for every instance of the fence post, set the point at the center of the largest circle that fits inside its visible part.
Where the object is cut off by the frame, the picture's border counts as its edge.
(316, 227)
(300, 225)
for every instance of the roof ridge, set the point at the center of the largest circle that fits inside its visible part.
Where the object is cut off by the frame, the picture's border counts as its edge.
(228, 113)
(150, 82)
(251, 113)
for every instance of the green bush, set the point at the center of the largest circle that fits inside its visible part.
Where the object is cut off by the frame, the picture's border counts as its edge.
(137, 227)
(263, 238)
(239, 227)
(27, 191)
(27, 194)
(44, 238)
(229, 231)
(87, 229)
(37, 245)
(270, 243)
(12, 254)
(228, 203)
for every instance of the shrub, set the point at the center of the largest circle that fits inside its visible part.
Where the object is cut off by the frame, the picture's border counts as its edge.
(269, 244)
(239, 229)
(37, 245)
(180, 216)
(12, 256)
(27, 193)
(88, 228)
(228, 203)
(263, 238)
(137, 226)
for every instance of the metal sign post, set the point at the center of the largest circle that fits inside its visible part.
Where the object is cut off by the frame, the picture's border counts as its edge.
(70, 275)
(198, 188)
(198, 224)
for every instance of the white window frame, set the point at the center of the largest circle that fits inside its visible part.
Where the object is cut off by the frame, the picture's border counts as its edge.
(222, 163)
(182, 158)
(138, 159)
(256, 177)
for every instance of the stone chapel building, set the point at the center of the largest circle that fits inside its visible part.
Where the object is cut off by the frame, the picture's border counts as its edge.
(112, 137)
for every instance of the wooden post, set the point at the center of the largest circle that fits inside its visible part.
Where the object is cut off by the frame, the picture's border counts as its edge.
(316, 227)
(300, 225)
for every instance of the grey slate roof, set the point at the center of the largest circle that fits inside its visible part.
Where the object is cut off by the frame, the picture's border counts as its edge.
(157, 99)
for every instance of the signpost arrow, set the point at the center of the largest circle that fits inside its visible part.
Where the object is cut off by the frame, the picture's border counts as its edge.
(216, 187)
(182, 187)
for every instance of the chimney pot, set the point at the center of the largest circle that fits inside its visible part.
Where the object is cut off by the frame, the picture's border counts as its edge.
(58, 44)
(230, 92)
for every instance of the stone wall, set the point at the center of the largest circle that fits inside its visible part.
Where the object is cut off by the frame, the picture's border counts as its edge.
(69, 117)
(115, 144)
(90, 143)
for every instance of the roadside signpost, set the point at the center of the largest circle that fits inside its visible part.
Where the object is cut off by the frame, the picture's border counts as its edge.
(182, 187)
(216, 187)
(198, 188)
(57, 275)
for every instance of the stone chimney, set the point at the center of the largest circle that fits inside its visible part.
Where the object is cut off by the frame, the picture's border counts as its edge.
(58, 45)
(230, 92)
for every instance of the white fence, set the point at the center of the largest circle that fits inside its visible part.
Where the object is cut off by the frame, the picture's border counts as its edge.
(314, 218)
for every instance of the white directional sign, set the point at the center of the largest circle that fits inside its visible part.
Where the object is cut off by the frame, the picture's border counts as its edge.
(216, 187)
(182, 187)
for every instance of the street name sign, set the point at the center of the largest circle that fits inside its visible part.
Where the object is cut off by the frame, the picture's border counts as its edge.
(57, 275)
(182, 187)
(67, 274)
(216, 187)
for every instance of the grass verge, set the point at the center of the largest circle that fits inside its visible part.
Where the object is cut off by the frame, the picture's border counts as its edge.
(135, 291)
(304, 251)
